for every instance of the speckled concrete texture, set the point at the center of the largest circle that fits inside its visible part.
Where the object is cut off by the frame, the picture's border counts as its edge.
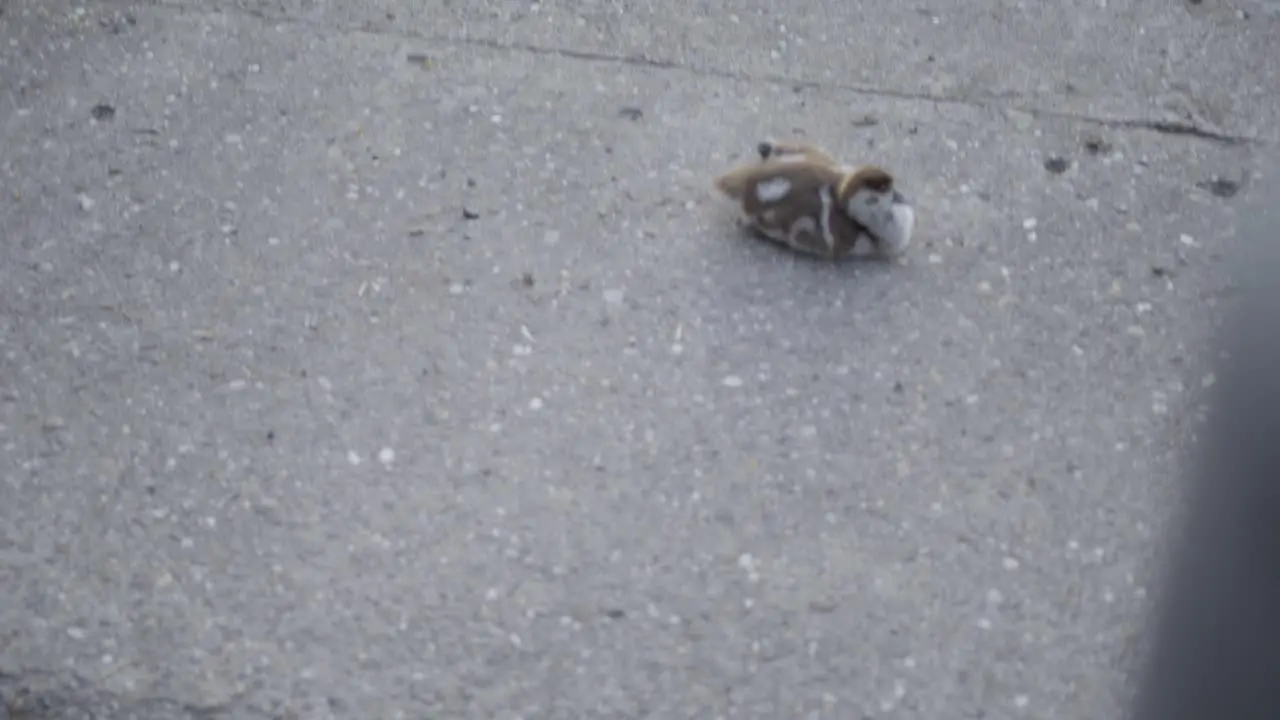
(394, 360)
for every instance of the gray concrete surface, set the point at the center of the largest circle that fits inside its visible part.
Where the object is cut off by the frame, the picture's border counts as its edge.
(379, 360)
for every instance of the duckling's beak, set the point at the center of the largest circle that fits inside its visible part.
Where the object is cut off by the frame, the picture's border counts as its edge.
(899, 198)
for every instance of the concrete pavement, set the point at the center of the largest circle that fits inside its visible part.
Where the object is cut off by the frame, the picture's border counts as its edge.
(362, 360)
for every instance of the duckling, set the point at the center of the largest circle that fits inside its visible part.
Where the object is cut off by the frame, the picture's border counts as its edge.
(798, 196)
(888, 225)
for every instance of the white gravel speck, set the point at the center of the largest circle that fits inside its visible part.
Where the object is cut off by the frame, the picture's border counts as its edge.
(1011, 563)
(732, 381)
(1188, 240)
(935, 259)
(76, 633)
(86, 202)
(456, 289)
(1021, 701)
(353, 457)
(386, 456)
(613, 296)
(535, 404)
(1029, 223)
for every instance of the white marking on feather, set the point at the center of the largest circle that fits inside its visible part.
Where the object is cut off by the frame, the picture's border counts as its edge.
(803, 224)
(773, 189)
(824, 194)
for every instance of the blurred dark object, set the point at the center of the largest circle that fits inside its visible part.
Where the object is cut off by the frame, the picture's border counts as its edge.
(1215, 651)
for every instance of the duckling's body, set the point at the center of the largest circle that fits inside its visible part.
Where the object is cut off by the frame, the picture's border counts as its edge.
(799, 196)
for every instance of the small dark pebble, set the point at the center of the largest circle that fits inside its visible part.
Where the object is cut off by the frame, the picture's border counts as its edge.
(470, 214)
(631, 113)
(1161, 271)
(471, 182)
(897, 387)
(417, 59)
(1220, 187)
(1056, 165)
(527, 279)
(103, 112)
(271, 436)
(866, 121)
(417, 232)
(1096, 145)
(615, 613)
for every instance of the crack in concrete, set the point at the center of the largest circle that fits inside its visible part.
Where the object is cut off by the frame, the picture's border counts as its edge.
(1164, 127)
